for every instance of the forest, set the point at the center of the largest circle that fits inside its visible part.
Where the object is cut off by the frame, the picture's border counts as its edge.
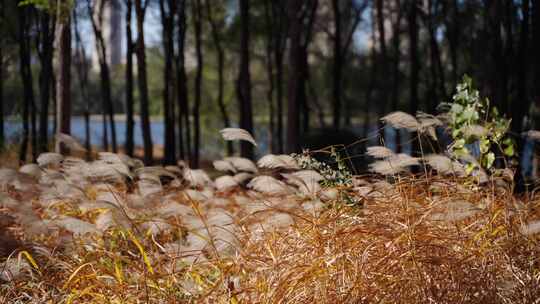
(269, 151)
(286, 69)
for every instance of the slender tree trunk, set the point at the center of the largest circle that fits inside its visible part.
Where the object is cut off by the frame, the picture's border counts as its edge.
(130, 122)
(82, 71)
(337, 65)
(395, 69)
(383, 62)
(63, 77)
(167, 20)
(2, 131)
(522, 103)
(140, 10)
(45, 54)
(105, 77)
(244, 80)
(197, 24)
(295, 74)
(26, 77)
(184, 134)
(269, 45)
(279, 37)
(413, 56)
(535, 14)
(214, 27)
(414, 66)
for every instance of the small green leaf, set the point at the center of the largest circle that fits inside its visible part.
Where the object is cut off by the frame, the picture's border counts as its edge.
(490, 159)
(509, 151)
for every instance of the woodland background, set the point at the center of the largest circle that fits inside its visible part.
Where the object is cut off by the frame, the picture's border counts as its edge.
(165, 75)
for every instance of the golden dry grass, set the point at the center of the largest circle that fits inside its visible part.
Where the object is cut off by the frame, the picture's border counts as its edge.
(416, 240)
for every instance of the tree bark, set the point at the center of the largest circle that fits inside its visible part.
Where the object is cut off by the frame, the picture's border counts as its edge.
(82, 71)
(26, 77)
(46, 46)
(214, 27)
(395, 68)
(63, 76)
(167, 20)
(295, 75)
(140, 10)
(130, 122)
(337, 65)
(2, 131)
(184, 133)
(269, 62)
(105, 78)
(413, 57)
(197, 24)
(279, 37)
(244, 80)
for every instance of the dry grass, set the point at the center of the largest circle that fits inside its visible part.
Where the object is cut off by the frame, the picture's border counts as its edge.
(416, 240)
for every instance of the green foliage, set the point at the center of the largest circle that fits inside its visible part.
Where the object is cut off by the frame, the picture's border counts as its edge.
(473, 121)
(332, 178)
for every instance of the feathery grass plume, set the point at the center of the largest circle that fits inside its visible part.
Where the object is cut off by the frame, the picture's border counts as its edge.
(70, 142)
(268, 185)
(401, 120)
(533, 135)
(32, 170)
(237, 134)
(307, 181)
(281, 161)
(155, 170)
(175, 170)
(106, 171)
(223, 166)
(242, 177)
(380, 152)
(149, 186)
(443, 164)
(531, 228)
(197, 177)
(393, 165)
(242, 164)
(225, 182)
(49, 159)
(7, 176)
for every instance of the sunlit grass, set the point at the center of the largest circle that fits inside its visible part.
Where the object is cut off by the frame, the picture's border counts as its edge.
(403, 244)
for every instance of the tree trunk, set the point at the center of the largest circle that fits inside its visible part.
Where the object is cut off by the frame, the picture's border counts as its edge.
(244, 80)
(63, 77)
(279, 34)
(269, 45)
(214, 27)
(295, 75)
(184, 139)
(2, 132)
(105, 78)
(130, 122)
(140, 10)
(82, 71)
(167, 21)
(337, 65)
(383, 62)
(197, 24)
(413, 56)
(395, 69)
(45, 55)
(26, 77)
(414, 67)
(522, 103)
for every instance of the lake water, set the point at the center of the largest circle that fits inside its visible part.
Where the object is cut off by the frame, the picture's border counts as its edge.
(212, 145)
